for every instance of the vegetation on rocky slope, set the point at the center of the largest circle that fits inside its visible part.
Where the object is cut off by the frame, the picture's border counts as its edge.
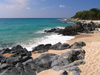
(92, 14)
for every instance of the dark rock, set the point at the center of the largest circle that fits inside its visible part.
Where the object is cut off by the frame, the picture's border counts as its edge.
(54, 30)
(4, 66)
(57, 68)
(45, 60)
(39, 47)
(64, 73)
(57, 46)
(60, 62)
(1, 57)
(42, 48)
(77, 45)
(65, 46)
(18, 47)
(74, 55)
(69, 30)
(73, 68)
(78, 27)
(75, 72)
(7, 50)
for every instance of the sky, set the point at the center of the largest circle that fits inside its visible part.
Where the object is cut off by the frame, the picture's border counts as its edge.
(44, 8)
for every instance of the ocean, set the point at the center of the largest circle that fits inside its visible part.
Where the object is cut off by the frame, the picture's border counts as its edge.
(29, 32)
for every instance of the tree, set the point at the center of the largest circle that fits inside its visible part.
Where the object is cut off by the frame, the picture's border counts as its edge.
(92, 14)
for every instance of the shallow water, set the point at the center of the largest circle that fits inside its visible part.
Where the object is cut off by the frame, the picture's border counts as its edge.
(29, 31)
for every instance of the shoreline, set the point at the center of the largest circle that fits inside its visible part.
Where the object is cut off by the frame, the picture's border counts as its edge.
(78, 20)
(88, 68)
(92, 49)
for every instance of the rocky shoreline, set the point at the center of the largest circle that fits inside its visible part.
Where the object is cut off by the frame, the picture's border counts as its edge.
(20, 62)
(78, 27)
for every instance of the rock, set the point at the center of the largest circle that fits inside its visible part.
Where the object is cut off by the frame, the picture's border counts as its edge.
(18, 64)
(39, 47)
(7, 50)
(75, 72)
(3, 66)
(69, 30)
(65, 46)
(60, 62)
(21, 62)
(77, 45)
(57, 46)
(57, 68)
(74, 55)
(73, 68)
(42, 48)
(45, 60)
(78, 27)
(1, 57)
(18, 47)
(53, 30)
(64, 73)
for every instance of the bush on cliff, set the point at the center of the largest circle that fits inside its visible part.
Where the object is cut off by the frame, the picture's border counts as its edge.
(92, 14)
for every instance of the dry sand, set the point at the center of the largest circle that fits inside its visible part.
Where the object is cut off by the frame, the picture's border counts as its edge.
(95, 21)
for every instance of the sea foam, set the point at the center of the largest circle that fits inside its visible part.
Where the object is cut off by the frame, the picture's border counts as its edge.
(50, 39)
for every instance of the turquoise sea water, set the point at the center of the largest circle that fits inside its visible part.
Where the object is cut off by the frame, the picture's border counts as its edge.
(15, 31)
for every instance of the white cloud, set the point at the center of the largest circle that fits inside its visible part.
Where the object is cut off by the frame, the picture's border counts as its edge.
(62, 6)
(13, 5)
(28, 8)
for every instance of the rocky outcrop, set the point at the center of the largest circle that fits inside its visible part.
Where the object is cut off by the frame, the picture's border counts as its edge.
(44, 48)
(78, 27)
(21, 62)
(58, 46)
(53, 30)
(56, 62)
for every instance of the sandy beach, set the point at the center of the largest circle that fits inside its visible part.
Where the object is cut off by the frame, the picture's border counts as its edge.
(92, 49)
(92, 57)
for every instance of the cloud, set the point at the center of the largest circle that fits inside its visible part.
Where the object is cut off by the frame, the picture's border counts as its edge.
(62, 6)
(45, 8)
(28, 8)
(13, 5)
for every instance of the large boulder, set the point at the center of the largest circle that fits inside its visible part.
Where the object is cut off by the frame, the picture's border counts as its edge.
(42, 48)
(78, 45)
(64, 73)
(74, 55)
(45, 60)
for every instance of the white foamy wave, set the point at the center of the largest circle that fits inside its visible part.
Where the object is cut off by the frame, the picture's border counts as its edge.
(42, 31)
(60, 27)
(52, 39)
